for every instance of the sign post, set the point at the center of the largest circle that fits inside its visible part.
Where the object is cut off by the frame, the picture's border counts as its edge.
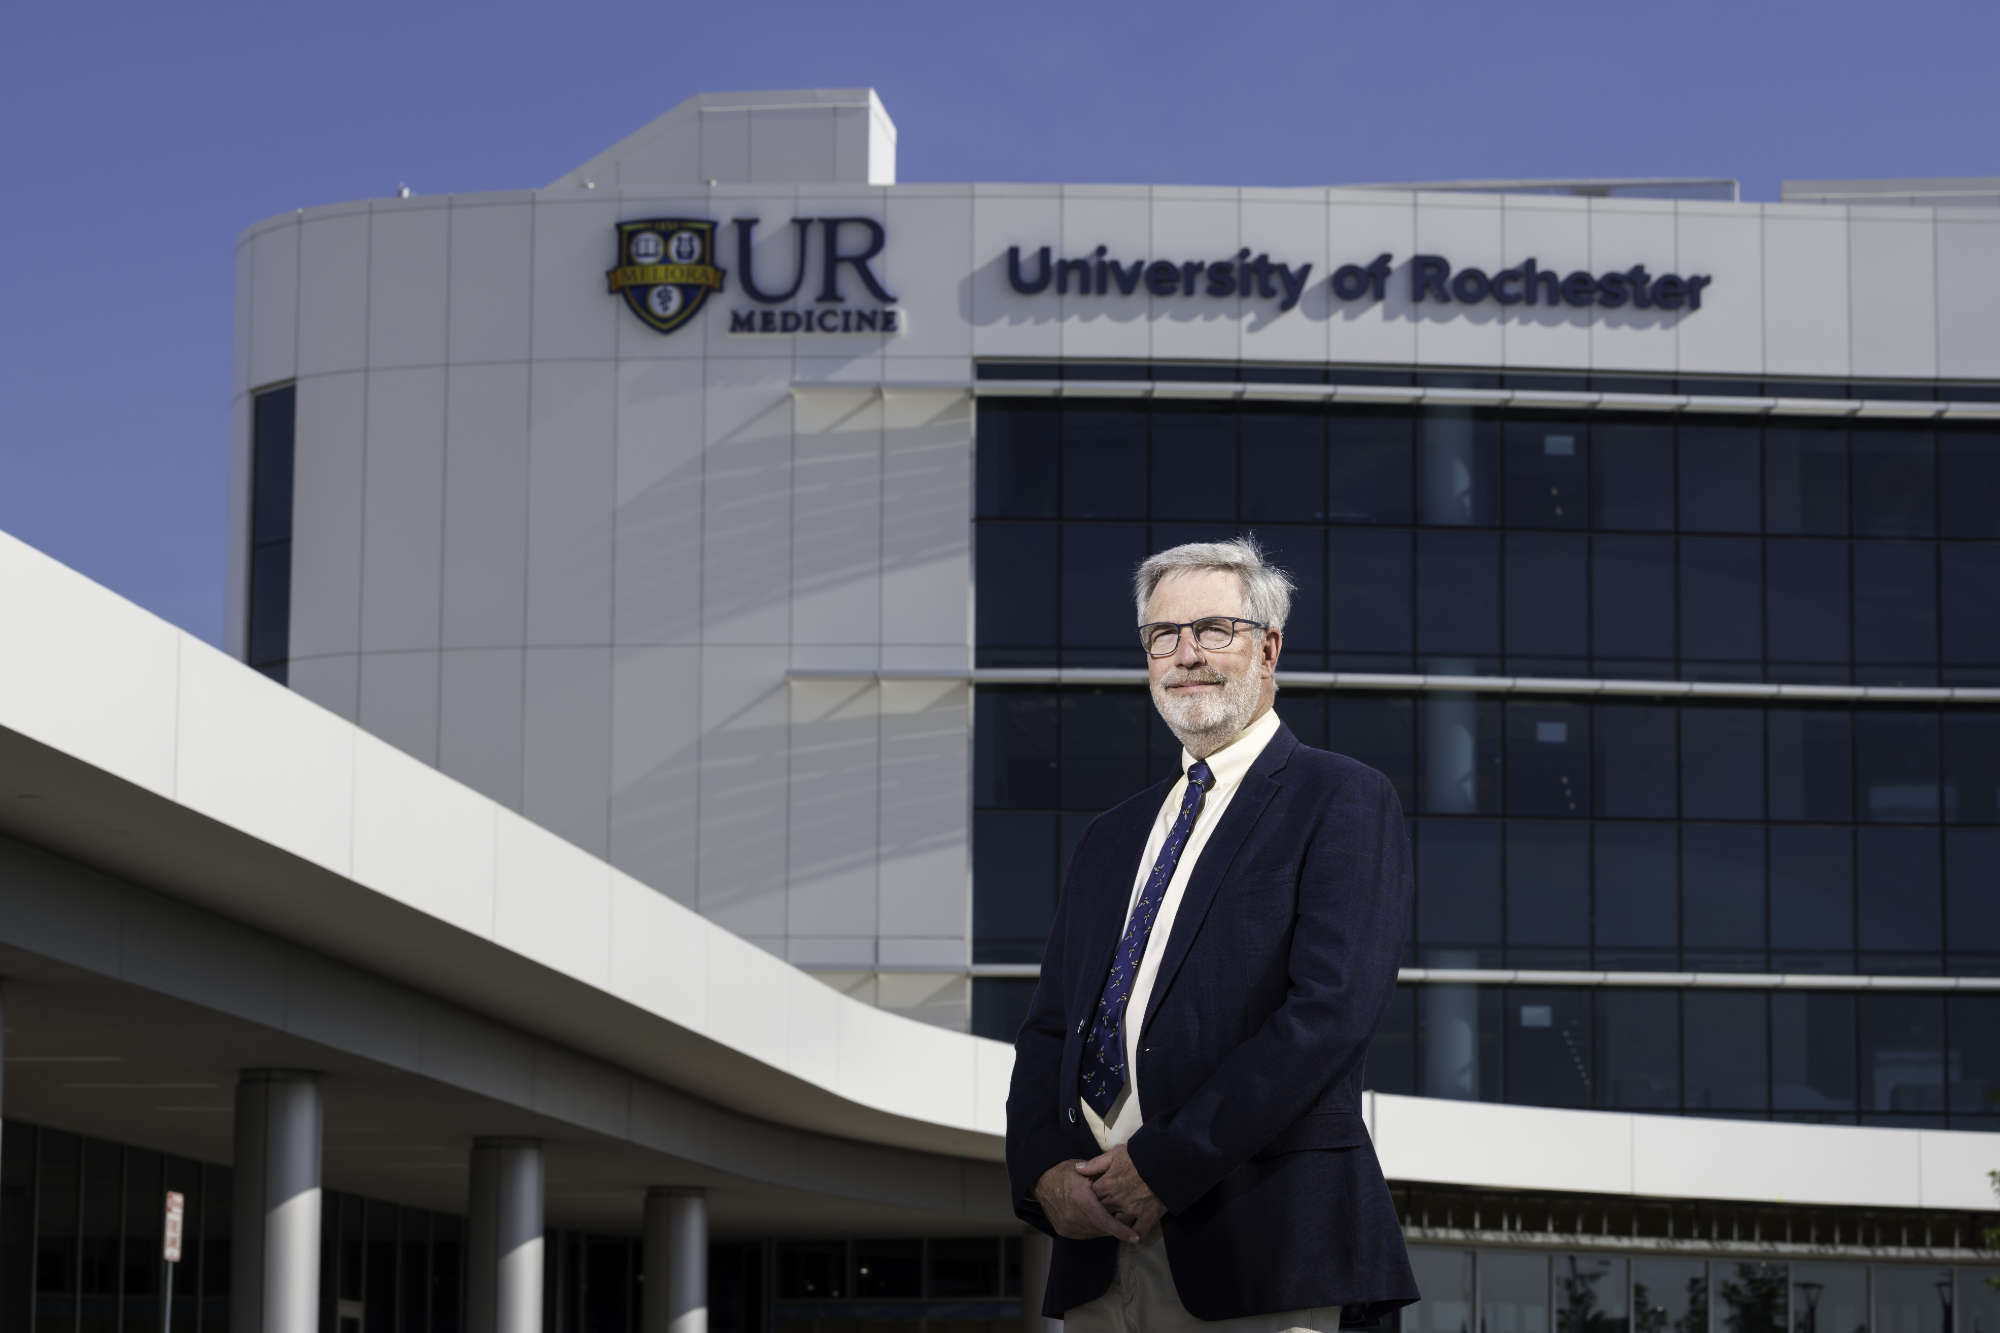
(170, 1250)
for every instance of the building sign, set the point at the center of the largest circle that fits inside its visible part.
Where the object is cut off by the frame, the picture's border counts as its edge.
(170, 1235)
(1426, 279)
(666, 271)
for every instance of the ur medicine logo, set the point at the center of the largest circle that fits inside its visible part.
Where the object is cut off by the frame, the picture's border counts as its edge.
(666, 269)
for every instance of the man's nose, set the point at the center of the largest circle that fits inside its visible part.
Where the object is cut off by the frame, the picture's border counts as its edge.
(1187, 652)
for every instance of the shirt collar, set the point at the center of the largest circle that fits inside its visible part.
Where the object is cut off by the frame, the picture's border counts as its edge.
(1232, 761)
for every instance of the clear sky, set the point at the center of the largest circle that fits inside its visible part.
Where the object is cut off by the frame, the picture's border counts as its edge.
(140, 139)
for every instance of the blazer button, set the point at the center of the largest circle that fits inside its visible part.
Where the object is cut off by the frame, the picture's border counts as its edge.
(1072, 1115)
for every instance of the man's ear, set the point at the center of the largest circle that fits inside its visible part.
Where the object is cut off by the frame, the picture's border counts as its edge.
(1274, 643)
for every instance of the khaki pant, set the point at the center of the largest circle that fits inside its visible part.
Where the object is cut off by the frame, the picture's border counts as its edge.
(1142, 1299)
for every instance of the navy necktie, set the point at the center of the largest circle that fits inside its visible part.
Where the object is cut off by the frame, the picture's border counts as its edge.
(1102, 1073)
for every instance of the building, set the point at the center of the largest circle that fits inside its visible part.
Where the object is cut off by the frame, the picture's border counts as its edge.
(690, 603)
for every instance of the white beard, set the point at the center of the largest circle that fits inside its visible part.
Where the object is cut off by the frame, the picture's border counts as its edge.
(1203, 722)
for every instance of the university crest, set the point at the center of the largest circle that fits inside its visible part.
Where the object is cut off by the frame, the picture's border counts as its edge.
(666, 269)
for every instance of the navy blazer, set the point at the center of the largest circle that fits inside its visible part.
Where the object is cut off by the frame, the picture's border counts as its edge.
(1282, 956)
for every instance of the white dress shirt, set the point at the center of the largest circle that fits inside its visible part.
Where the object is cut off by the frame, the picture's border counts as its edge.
(1228, 765)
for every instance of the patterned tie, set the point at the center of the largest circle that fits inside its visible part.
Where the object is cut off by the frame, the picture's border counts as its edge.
(1102, 1074)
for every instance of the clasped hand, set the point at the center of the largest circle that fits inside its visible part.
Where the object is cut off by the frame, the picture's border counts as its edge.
(1101, 1197)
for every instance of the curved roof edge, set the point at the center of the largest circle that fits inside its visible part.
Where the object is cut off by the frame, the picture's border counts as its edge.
(260, 805)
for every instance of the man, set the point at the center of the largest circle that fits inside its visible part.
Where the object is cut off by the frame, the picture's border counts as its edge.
(1185, 1109)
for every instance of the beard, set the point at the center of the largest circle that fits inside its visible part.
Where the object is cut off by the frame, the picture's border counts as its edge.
(1203, 721)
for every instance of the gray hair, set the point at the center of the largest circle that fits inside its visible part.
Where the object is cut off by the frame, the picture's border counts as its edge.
(1267, 590)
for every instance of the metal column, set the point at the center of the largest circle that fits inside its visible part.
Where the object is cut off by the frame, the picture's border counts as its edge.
(503, 1252)
(274, 1251)
(676, 1261)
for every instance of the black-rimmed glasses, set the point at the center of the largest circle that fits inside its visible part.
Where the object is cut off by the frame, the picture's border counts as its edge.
(1212, 634)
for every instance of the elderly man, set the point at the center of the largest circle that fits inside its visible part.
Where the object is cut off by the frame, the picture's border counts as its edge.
(1185, 1116)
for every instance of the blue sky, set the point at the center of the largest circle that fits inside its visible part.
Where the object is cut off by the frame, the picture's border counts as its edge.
(141, 139)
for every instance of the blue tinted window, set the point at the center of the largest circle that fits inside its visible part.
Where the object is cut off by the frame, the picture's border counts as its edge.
(1370, 591)
(1632, 475)
(1968, 481)
(1019, 458)
(1895, 602)
(1902, 1054)
(1458, 468)
(1548, 758)
(1193, 475)
(1458, 593)
(1812, 1052)
(1721, 476)
(1722, 895)
(1547, 1030)
(1632, 596)
(1104, 460)
(1811, 763)
(1812, 895)
(1722, 762)
(1547, 472)
(1458, 876)
(1548, 893)
(1894, 486)
(1369, 461)
(1806, 593)
(1721, 598)
(1969, 577)
(1547, 594)
(1636, 886)
(1282, 456)
(1728, 1069)
(1639, 1050)
(1805, 478)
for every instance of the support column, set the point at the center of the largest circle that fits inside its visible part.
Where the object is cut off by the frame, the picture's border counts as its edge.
(1037, 1251)
(676, 1261)
(274, 1249)
(503, 1250)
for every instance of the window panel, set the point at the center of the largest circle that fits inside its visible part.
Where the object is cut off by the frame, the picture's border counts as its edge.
(1895, 602)
(1548, 758)
(1104, 460)
(1014, 883)
(1103, 747)
(1513, 1292)
(1632, 595)
(1281, 460)
(1812, 889)
(1968, 479)
(1370, 591)
(1097, 564)
(1902, 1053)
(1445, 1278)
(1380, 731)
(1547, 472)
(1632, 475)
(1896, 766)
(1458, 593)
(1018, 597)
(1910, 1299)
(270, 625)
(1970, 592)
(1894, 481)
(1458, 468)
(1016, 739)
(1548, 1047)
(1721, 598)
(56, 1200)
(1639, 1050)
(1548, 892)
(1722, 762)
(1392, 1054)
(1548, 594)
(1193, 475)
(1971, 743)
(1000, 1005)
(1811, 764)
(1812, 1052)
(1722, 893)
(961, 1267)
(1897, 876)
(272, 429)
(1728, 1068)
(1019, 458)
(1720, 476)
(1972, 1059)
(1590, 1293)
(1458, 882)
(1369, 464)
(1636, 884)
(1972, 890)
(103, 1187)
(1805, 479)
(1301, 552)
(1459, 1040)
(1631, 778)
(1459, 736)
(1749, 1297)
(1807, 599)
(1978, 1303)
(1829, 1298)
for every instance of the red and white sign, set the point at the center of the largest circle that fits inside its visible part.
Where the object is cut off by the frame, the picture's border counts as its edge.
(176, 1207)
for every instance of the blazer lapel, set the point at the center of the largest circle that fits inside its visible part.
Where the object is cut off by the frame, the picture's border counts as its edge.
(1104, 892)
(1259, 786)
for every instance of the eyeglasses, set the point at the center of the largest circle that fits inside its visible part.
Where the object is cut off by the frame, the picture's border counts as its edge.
(1211, 634)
